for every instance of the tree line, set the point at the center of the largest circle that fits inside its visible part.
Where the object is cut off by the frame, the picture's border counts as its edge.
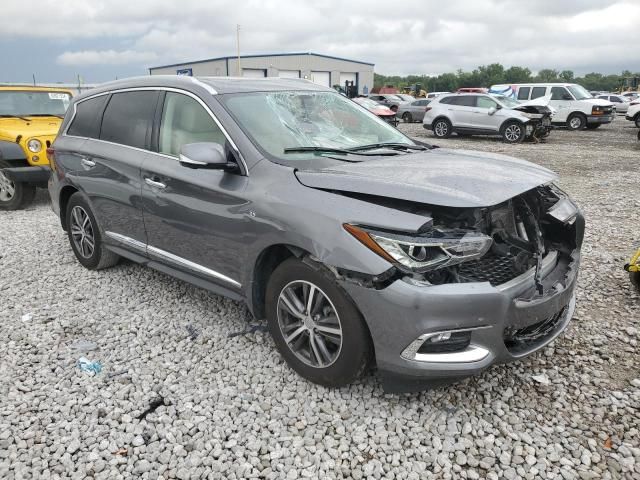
(487, 75)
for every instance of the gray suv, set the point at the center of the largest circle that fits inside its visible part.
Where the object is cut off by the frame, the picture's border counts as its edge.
(360, 246)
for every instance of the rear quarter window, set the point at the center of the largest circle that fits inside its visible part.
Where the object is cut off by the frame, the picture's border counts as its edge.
(86, 122)
(537, 92)
(523, 93)
(128, 117)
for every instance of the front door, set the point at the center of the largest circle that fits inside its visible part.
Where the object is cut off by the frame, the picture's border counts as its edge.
(563, 102)
(193, 216)
(482, 120)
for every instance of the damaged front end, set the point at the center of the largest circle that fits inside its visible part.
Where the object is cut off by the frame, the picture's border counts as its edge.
(539, 124)
(527, 249)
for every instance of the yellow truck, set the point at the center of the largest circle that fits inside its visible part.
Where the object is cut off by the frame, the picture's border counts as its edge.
(29, 121)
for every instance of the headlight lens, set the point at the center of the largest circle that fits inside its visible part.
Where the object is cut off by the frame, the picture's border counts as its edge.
(34, 145)
(437, 249)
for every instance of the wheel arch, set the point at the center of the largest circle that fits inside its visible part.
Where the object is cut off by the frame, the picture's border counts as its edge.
(508, 121)
(63, 201)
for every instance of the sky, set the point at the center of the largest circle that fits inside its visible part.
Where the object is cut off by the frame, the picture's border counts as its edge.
(100, 40)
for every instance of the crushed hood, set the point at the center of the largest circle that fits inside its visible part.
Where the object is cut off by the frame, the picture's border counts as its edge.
(452, 178)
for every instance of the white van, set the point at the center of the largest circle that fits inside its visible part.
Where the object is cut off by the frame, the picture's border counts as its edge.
(575, 107)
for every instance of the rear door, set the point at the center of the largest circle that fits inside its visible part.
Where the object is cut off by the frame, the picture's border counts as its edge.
(192, 215)
(109, 170)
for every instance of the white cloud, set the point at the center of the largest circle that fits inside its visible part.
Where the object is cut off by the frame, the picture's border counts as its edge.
(421, 36)
(105, 57)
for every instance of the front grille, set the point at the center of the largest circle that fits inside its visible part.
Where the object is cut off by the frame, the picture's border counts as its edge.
(492, 268)
(521, 339)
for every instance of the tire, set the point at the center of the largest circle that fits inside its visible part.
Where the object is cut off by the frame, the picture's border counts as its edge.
(82, 230)
(576, 121)
(407, 118)
(394, 108)
(635, 279)
(337, 359)
(593, 126)
(14, 195)
(637, 120)
(513, 132)
(442, 128)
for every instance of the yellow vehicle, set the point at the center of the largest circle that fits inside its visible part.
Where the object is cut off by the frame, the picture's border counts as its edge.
(633, 267)
(29, 121)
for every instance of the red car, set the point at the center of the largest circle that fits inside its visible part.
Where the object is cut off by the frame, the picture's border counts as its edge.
(472, 90)
(382, 111)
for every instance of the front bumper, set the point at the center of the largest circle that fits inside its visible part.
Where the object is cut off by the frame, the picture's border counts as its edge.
(33, 175)
(600, 118)
(404, 311)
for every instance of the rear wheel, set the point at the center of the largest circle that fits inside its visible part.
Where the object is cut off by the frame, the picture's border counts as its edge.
(442, 128)
(513, 132)
(14, 195)
(593, 126)
(407, 118)
(315, 326)
(85, 237)
(576, 121)
(635, 279)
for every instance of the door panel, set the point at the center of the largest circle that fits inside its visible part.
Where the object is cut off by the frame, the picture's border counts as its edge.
(481, 118)
(195, 215)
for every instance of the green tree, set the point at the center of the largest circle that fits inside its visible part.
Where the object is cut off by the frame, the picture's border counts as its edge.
(567, 75)
(517, 75)
(547, 75)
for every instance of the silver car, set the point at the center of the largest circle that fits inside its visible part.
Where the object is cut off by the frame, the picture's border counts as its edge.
(413, 111)
(359, 246)
(620, 102)
(488, 114)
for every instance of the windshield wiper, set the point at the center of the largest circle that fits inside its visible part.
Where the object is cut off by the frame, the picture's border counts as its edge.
(393, 146)
(45, 115)
(342, 151)
(15, 116)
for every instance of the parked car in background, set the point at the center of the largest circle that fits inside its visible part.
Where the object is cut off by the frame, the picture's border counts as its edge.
(390, 100)
(406, 97)
(413, 111)
(620, 103)
(432, 95)
(631, 95)
(575, 107)
(633, 112)
(358, 245)
(29, 121)
(485, 114)
(382, 111)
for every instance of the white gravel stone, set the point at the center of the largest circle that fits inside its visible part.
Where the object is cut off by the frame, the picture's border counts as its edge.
(231, 407)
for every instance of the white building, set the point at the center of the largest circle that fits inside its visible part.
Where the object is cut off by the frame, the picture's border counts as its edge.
(322, 69)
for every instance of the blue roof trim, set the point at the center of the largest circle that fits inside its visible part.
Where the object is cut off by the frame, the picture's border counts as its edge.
(261, 55)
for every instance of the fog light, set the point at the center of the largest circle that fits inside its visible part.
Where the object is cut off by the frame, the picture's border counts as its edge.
(445, 342)
(441, 337)
(35, 158)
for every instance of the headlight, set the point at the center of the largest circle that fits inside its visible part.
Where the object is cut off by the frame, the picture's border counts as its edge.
(437, 249)
(34, 145)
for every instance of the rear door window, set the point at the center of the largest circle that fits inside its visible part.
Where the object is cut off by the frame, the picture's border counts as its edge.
(537, 92)
(128, 117)
(464, 101)
(523, 93)
(185, 121)
(86, 122)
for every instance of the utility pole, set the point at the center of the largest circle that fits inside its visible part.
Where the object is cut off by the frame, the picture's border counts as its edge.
(238, 45)
(34, 79)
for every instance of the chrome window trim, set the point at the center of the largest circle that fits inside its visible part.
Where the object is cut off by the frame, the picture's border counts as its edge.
(160, 89)
(171, 257)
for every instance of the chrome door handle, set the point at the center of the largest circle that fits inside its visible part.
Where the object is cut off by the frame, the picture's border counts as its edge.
(88, 163)
(153, 183)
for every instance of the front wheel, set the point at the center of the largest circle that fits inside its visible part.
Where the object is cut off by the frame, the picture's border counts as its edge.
(14, 195)
(442, 128)
(637, 121)
(513, 132)
(315, 326)
(576, 121)
(407, 118)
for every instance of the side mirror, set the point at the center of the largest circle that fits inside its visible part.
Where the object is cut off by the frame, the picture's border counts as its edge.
(492, 110)
(566, 96)
(205, 155)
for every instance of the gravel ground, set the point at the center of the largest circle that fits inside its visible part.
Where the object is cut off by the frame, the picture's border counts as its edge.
(178, 397)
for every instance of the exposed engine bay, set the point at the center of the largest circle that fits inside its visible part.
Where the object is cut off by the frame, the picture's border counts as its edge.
(539, 124)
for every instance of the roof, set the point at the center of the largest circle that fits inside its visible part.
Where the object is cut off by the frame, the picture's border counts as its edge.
(261, 55)
(31, 88)
(215, 85)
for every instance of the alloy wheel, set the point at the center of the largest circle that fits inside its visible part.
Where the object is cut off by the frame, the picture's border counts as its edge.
(309, 324)
(441, 129)
(82, 232)
(7, 188)
(575, 123)
(513, 132)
